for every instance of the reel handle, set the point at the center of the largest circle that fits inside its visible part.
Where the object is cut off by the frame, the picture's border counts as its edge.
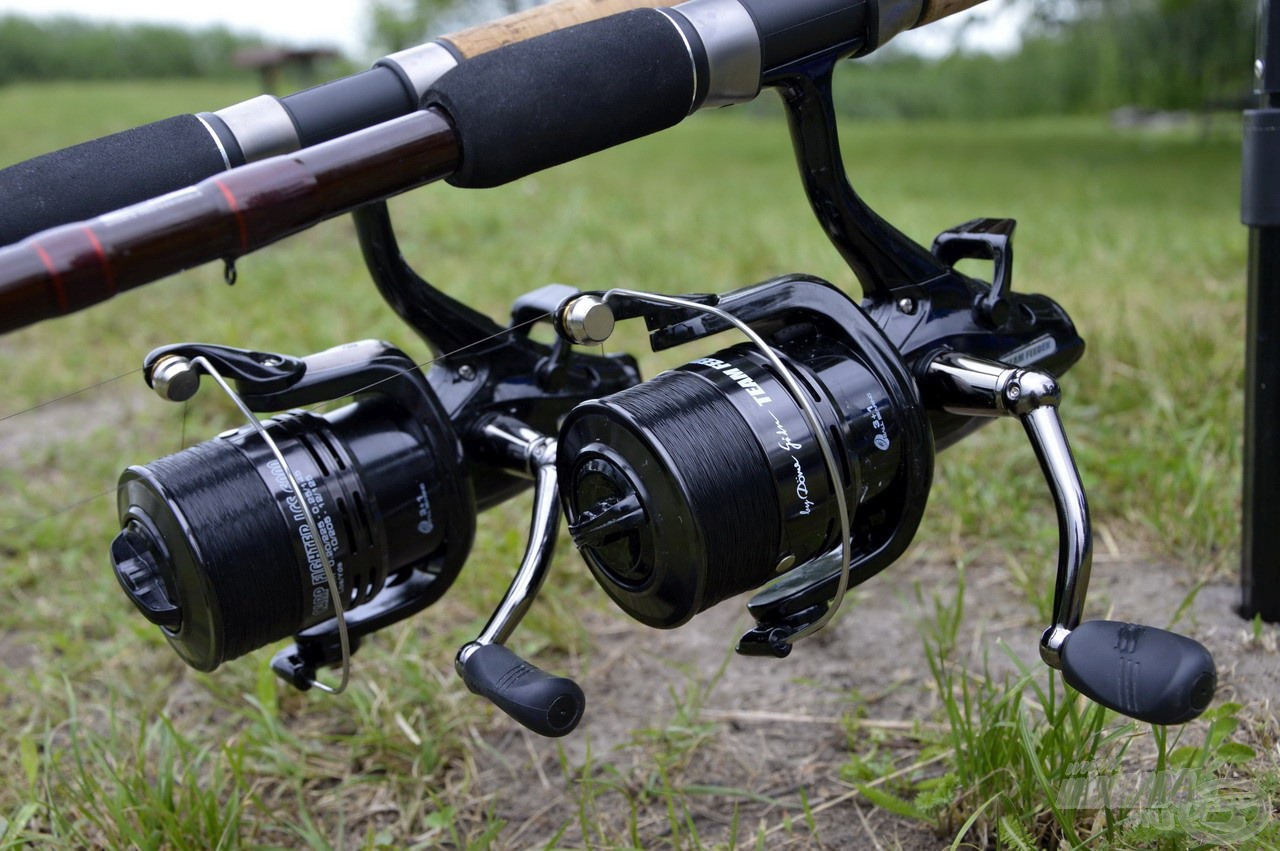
(546, 704)
(1139, 671)
(1145, 673)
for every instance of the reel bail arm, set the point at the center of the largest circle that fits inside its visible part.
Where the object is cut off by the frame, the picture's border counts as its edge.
(1145, 673)
(546, 704)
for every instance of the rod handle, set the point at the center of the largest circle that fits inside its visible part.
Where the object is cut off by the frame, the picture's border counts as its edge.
(91, 178)
(539, 20)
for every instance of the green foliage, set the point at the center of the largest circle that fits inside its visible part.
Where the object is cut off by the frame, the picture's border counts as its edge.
(66, 48)
(1157, 54)
(397, 24)
(1029, 764)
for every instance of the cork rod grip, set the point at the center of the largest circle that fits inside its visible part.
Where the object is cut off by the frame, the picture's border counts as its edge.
(540, 20)
(935, 10)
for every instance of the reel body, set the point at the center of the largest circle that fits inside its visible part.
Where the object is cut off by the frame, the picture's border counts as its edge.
(215, 547)
(707, 480)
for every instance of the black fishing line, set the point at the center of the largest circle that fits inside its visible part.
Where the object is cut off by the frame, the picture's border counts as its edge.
(208, 484)
(48, 402)
(26, 524)
(725, 475)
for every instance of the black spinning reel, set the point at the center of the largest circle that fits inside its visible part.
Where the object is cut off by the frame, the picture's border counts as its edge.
(798, 462)
(802, 458)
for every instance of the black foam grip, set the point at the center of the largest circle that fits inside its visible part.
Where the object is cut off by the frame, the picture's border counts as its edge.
(546, 704)
(566, 94)
(1143, 672)
(105, 174)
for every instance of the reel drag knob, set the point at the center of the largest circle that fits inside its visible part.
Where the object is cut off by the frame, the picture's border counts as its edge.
(137, 557)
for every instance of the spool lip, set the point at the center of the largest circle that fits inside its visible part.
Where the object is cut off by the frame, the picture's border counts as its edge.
(142, 498)
(597, 460)
(651, 602)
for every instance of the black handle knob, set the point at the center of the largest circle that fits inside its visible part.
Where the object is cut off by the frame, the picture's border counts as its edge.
(1140, 671)
(546, 704)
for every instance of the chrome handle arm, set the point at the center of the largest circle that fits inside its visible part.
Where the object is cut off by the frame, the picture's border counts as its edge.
(963, 384)
(533, 454)
(546, 704)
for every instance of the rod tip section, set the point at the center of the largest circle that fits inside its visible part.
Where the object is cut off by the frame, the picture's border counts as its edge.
(548, 705)
(1140, 671)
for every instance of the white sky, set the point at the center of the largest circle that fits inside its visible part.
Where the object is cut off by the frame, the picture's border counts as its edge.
(300, 22)
(341, 23)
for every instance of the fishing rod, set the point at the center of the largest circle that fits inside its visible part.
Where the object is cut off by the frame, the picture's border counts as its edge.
(480, 108)
(798, 463)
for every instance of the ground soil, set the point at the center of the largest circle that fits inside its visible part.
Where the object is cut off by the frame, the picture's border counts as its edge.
(775, 726)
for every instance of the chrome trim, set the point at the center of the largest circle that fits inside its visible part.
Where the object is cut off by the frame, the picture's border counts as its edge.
(729, 36)
(693, 60)
(1075, 544)
(588, 320)
(539, 458)
(963, 384)
(262, 127)
(893, 17)
(422, 65)
(226, 160)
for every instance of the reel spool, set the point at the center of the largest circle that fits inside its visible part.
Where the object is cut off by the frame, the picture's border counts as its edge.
(216, 550)
(708, 480)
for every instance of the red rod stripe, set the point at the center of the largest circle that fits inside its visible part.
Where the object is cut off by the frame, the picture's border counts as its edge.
(58, 289)
(108, 274)
(235, 208)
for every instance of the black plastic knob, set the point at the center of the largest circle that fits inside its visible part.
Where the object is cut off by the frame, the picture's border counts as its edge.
(1140, 671)
(548, 705)
(137, 559)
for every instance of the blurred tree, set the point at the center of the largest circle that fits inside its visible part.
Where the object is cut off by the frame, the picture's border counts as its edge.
(1077, 56)
(64, 48)
(1162, 53)
(397, 24)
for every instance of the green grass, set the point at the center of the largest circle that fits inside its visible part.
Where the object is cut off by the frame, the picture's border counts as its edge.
(114, 742)
(1021, 750)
